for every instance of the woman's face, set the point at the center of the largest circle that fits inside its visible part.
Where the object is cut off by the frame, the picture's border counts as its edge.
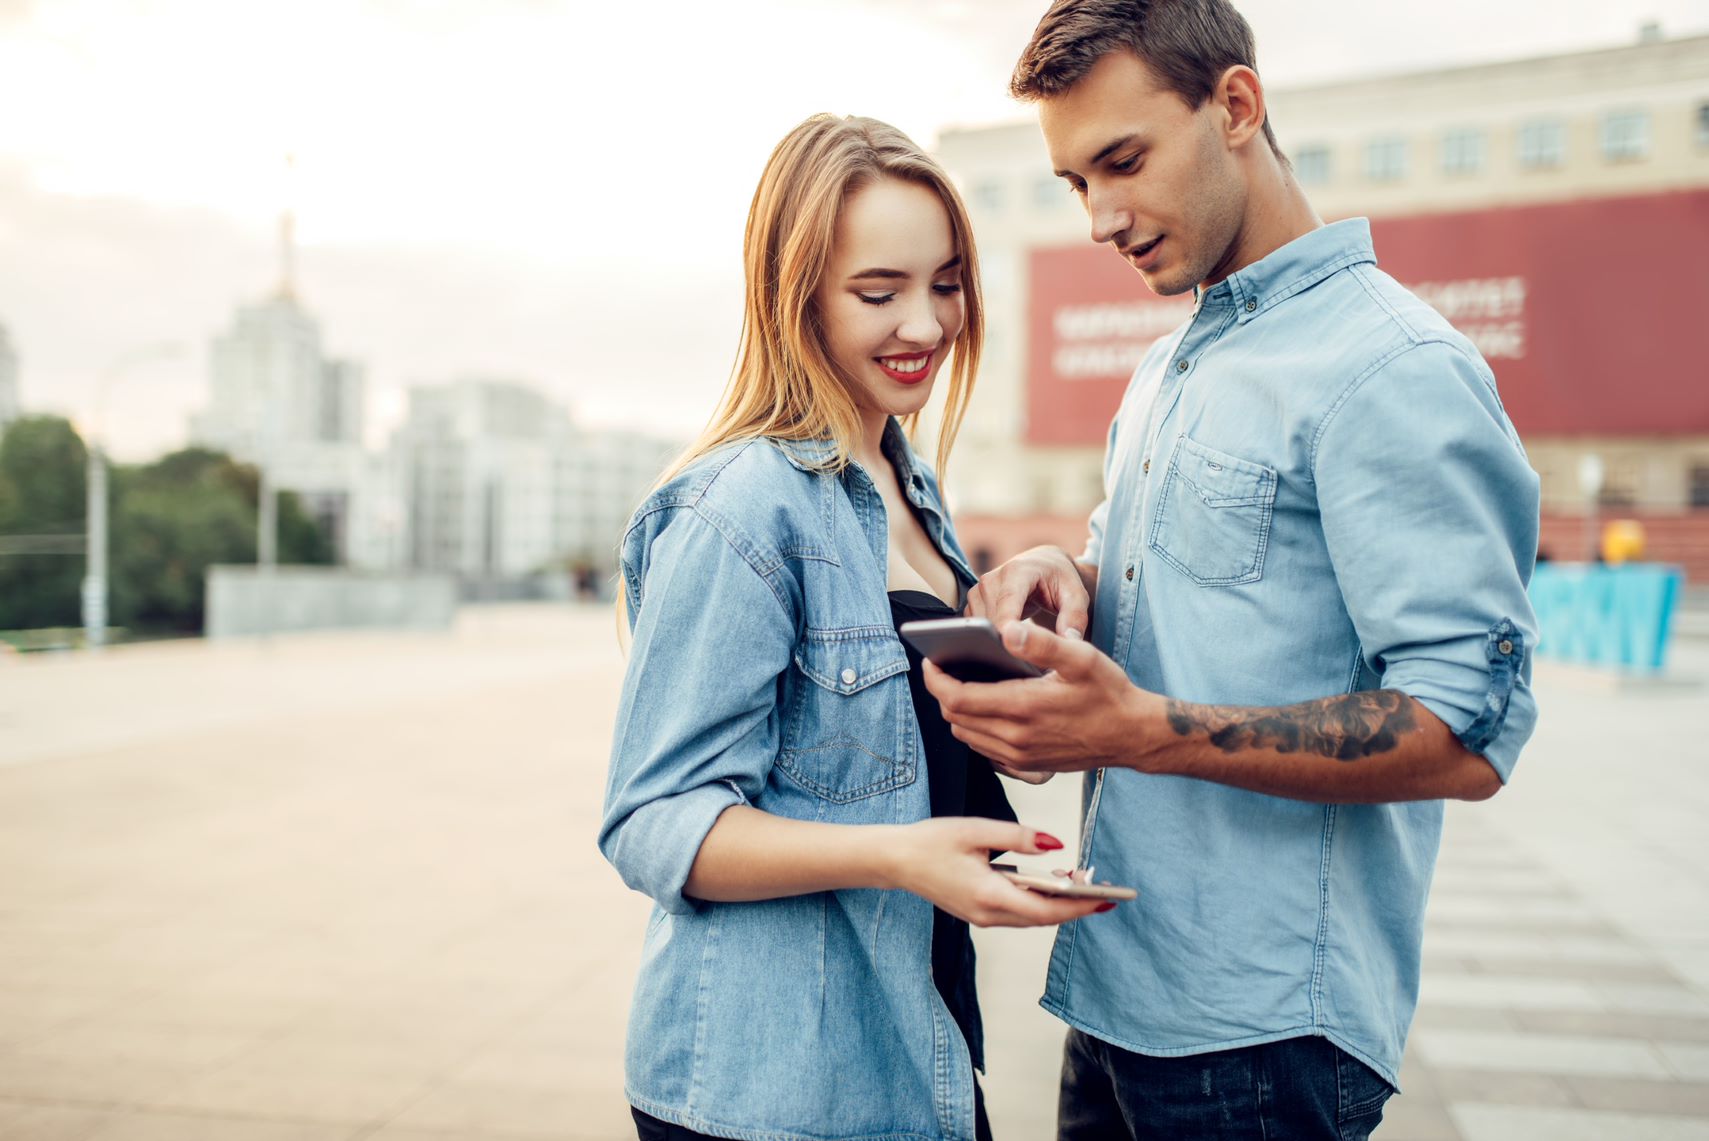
(891, 300)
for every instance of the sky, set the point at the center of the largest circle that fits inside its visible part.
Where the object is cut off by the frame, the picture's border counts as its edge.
(550, 191)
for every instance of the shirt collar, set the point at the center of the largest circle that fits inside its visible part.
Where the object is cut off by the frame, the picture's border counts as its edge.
(1299, 265)
(816, 455)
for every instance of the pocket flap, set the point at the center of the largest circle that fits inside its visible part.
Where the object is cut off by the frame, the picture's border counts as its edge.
(847, 661)
(1220, 479)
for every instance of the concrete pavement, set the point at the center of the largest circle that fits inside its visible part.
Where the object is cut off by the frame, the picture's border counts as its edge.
(343, 887)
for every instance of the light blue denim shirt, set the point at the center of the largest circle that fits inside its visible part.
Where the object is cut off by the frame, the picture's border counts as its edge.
(765, 670)
(1312, 489)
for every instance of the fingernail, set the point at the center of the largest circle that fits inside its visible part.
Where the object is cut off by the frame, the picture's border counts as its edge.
(1073, 634)
(1045, 842)
(1020, 629)
(1102, 907)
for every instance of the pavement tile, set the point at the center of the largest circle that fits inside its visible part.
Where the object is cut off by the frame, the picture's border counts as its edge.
(107, 1041)
(1406, 1119)
(568, 1111)
(1689, 1062)
(181, 1127)
(321, 1097)
(1511, 993)
(32, 1121)
(1613, 1024)
(1500, 1087)
(57, 1079)
(1646, 998)
(1474, 944)
(1445, 1016)
(1637, 1095)
(1537, 1054)
(1513, 1123)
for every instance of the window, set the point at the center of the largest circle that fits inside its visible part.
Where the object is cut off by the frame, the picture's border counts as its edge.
(1385, 160)
(1625, 136)
(988, 195)
(1049, 193)
(1542, 145)
(1700, 485)
(1703, 124)
(1463, 151)
(1311, 165)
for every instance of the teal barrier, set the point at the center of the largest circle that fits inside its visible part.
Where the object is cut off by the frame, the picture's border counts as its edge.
(1612, 617)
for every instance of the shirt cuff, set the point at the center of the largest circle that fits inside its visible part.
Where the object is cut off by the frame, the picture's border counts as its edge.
(655, 848)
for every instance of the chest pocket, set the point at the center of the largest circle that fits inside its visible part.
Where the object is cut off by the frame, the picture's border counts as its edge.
(1212, 519)
(847, 736)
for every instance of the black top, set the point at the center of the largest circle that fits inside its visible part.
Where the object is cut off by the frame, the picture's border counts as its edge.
(961, 783)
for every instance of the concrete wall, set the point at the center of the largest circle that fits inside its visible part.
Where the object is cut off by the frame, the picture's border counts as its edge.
(240, 604)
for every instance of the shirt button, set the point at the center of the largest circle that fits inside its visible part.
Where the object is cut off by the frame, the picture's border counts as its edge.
(1145, 467)
(1251, 305)
(1130, 573)
(1504, 646)
(849, 677)
(1180, 366)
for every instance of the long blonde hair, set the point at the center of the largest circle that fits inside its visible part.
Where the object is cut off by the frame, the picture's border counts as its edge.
(784, 383)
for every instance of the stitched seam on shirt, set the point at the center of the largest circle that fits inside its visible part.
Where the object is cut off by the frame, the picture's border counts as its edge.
(1320, 952)
(1347, 393)
(1310, 278)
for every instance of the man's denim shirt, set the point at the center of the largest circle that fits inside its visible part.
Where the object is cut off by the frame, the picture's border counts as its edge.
(1312, 489)
(765, 670)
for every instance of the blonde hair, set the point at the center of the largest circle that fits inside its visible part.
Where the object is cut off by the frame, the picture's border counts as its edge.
(784, 383)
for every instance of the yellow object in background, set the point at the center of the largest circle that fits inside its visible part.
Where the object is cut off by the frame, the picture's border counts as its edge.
(1622, 541)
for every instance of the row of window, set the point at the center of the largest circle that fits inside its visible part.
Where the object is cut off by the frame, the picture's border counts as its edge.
(1624, 136)
(1542, 145)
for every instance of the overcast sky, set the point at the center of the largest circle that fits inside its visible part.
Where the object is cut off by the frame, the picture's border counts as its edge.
(512, 188)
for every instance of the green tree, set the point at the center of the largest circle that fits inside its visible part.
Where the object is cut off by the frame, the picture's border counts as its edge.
(42, 492)
(178, 516)
(168, 521)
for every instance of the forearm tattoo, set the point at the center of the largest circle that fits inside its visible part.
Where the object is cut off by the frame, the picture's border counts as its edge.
(1348, 728)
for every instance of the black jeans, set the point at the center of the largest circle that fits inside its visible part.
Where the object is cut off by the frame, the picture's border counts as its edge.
(650, 1128)
(1293, 1090)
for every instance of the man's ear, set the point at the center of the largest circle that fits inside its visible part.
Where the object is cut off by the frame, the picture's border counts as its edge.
(1241, 95)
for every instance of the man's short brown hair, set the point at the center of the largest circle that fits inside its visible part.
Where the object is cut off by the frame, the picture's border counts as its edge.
(1188, 45)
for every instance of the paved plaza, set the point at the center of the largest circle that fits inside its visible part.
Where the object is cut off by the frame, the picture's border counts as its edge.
(342, 887)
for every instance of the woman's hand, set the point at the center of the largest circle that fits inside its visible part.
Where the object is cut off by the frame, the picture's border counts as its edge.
(948, 861)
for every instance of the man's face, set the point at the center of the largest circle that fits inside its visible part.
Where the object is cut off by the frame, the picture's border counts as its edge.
(1157, 178)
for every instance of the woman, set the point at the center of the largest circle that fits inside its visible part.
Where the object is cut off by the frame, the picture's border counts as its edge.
(791, 803)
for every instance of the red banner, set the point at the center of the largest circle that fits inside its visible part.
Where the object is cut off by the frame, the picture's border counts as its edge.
(1594, 315)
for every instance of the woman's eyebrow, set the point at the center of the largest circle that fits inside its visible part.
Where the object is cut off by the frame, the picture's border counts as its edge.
(902, 274)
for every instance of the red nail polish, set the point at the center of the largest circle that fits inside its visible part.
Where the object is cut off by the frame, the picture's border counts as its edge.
(1106, 907)
(1045, 842)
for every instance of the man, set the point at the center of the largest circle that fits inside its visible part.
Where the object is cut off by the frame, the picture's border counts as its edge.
(1306, 598)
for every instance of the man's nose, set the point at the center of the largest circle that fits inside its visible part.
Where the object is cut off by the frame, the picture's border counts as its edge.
(1109, 219)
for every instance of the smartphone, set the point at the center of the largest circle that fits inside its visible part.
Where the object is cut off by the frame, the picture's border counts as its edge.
(1063, 887)
(968, 649)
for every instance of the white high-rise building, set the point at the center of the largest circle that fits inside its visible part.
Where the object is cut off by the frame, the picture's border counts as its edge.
(502, 485)
(277, 399)
(9, 409)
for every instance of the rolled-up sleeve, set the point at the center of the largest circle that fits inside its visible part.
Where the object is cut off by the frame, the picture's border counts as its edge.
(1429, 510)
(697, 723)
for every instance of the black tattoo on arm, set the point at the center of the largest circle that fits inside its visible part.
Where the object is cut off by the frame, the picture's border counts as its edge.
(1348, 728)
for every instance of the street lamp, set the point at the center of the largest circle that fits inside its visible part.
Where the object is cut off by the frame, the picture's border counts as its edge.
(95, 574)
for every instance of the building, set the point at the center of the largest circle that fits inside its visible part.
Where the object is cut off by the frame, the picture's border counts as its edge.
(502, 486)
(276, 399)
(1555, 209)
(9, 406)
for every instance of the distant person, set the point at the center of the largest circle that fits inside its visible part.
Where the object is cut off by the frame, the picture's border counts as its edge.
(779, 785)
(1305, 593)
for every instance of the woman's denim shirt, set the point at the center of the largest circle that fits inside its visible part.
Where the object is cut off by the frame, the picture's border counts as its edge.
(765, 670)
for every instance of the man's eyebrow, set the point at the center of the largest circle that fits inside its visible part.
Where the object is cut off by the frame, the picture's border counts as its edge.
(1103, 154)
(901, 273)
